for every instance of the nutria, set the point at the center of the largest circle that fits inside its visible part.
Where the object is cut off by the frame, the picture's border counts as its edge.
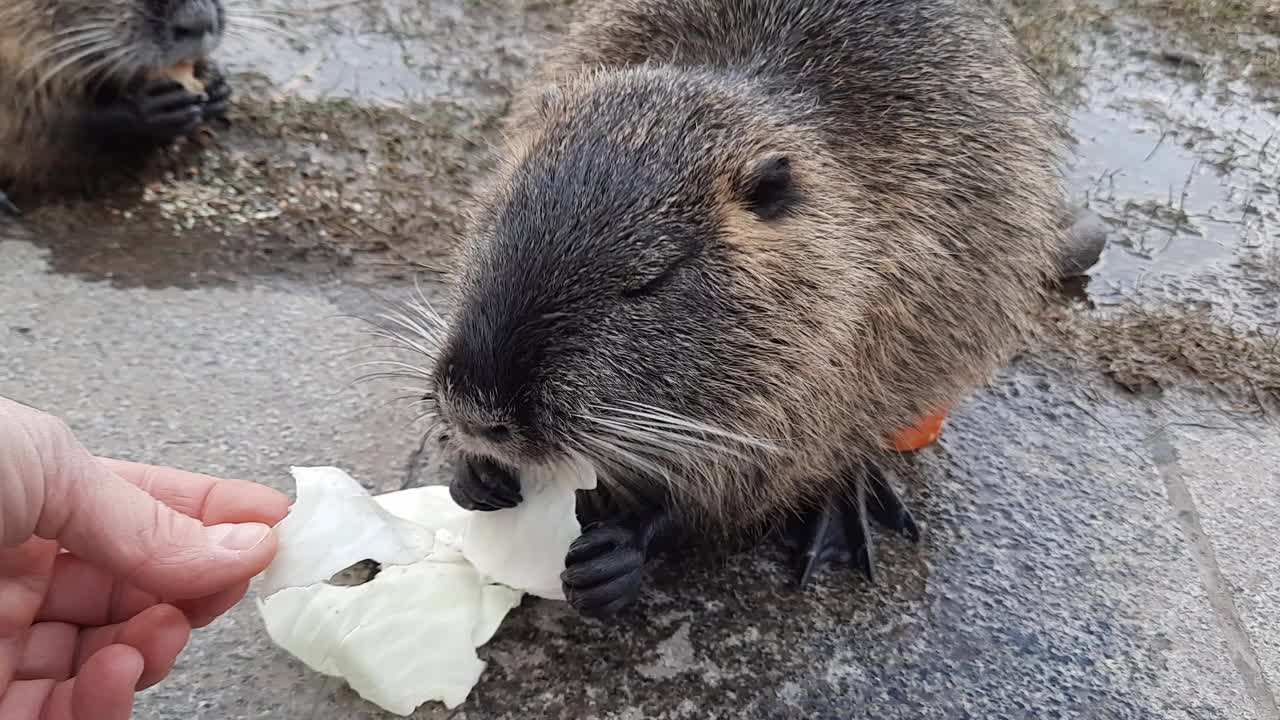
(731, 246)
(84, 97)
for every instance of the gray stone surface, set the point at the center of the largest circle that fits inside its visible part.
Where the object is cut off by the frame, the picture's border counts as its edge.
(1054, 580)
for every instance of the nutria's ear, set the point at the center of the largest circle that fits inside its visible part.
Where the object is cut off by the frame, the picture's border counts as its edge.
(768, 186)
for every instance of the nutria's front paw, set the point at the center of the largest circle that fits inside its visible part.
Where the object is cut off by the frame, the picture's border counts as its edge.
(217, 90)
(7, 206)
(604, 570)
(163, 112)
(484, 485)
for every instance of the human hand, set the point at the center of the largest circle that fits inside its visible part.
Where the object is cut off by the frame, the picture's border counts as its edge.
(106, 566)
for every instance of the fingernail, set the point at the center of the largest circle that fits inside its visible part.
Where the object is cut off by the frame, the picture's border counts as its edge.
(238, 536)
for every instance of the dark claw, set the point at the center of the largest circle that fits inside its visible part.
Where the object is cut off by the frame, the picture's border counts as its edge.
(604, 568)
(886, 507)
(816, 550)
(484, 485)
(857, 534)
(7, 206)
(816, 539)
(604, 571)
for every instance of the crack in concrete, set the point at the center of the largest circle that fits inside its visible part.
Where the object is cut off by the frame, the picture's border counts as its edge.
(413, 466)
(1239, 644)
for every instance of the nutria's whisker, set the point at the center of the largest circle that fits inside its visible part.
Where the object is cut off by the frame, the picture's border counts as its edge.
(401, 368)
(608, 454)
(665, 418)
(89, 42)
(675, 442)
(104, 67)
(70, 62)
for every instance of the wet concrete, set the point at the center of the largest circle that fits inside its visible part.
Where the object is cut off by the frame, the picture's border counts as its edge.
(1088, 552)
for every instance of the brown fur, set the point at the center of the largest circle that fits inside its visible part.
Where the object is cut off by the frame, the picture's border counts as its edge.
(29, 154)
(929, 157)
(47, 85)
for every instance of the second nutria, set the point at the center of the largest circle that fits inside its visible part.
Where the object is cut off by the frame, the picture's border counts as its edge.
(84, 98)
(731, 247)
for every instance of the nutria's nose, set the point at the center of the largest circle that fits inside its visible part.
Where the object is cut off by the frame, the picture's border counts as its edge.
(194, 22)
(194, 29)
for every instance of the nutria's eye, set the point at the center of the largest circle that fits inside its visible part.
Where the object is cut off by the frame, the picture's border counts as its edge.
(768, 189)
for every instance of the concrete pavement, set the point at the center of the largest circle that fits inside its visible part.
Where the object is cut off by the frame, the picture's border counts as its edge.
(1082, 557)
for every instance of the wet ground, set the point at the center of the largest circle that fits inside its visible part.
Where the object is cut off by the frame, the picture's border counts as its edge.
(1101, 523)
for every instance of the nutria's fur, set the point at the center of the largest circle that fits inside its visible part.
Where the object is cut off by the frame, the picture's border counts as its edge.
(79, 106)
(725, 226)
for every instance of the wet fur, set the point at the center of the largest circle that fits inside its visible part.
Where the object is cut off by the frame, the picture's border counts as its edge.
(926, 158)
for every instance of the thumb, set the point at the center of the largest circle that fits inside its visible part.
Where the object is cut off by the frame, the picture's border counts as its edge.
(116, 525)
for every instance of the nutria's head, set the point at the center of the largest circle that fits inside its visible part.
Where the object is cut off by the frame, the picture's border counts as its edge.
(628, 289)
(84, 39)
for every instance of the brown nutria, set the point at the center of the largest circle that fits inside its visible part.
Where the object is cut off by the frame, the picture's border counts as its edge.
(84, 94)
(731, 246)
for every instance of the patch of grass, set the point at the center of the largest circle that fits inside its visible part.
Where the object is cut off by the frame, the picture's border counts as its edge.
(383, 186)
(1050, 32)
(1243, 34)
(1141, 348)
(1213, 16)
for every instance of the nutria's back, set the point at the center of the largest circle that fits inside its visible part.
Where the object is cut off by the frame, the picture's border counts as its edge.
(725, 224)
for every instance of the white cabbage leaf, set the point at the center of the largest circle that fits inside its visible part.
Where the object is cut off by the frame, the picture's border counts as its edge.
(448, 579)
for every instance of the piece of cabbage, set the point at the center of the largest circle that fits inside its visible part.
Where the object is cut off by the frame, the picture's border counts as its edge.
(449, 577)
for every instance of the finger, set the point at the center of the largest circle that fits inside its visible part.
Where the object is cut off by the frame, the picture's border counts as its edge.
(202, 611)
(596, 543)
(85, 594)
(24, 576)
(110, 522)
(104, 690)
(165, 87)
(25, 699)
(106, 684)
(213, 500)
(175, 122)
(49, 652)
(602, 569)
(147, 544)
(158, 634)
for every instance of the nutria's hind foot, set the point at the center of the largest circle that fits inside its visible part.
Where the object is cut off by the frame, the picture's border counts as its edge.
(839, 531)
(604, 568)
(484, 486)
(162, 113)
(217, 92)
(7, 206)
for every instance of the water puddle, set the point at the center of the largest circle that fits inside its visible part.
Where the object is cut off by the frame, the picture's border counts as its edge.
(402, 50)
(1184, 167)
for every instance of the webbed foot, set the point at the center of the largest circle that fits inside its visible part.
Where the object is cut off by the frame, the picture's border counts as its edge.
(484, 485)
(839, 531)
(604, 568)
